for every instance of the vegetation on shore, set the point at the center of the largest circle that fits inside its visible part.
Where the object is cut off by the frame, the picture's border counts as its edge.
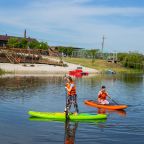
(101, 65)
(65, 50)
(93, 58)
(2, 71)
(25, 43)
(132, 60)
(124, 62)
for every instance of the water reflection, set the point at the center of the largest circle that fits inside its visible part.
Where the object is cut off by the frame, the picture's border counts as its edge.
(25, 87)
(18, 82)
(48, 94)
(71, 126)
(132, 78)
(112, 79)
(107, 111)
(70, 132)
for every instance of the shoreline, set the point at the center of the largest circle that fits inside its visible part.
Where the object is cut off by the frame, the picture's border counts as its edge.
(40, 75)
(42, 69)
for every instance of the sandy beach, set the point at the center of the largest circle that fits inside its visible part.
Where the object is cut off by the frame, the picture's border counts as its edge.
(42, 69)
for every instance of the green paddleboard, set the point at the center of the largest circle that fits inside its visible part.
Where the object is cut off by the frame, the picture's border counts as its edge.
(95, 121)
(62, 116)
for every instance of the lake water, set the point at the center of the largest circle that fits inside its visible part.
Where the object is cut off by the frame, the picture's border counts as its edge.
(18, 95)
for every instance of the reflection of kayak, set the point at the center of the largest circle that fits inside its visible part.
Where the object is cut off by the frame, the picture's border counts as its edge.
(120, 112)
(60, 115)
(109, 106)
(63, 120)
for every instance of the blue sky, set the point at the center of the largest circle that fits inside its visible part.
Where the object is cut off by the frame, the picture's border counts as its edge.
(78, 23)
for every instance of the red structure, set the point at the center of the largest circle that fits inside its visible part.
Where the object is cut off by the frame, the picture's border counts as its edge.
(78, 73)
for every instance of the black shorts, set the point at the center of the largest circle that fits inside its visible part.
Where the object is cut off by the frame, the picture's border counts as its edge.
(71, 99)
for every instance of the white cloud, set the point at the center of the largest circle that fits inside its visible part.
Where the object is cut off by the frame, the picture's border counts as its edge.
(70, 21)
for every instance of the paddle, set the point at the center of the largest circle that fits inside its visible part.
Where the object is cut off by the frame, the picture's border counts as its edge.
(66, 113)
(113, 100)
(66, 110)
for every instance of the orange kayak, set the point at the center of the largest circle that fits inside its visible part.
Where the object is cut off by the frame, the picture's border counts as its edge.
(109, 106)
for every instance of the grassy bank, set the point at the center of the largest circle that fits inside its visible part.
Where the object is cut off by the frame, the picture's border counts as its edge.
(2, 71)
(101, 65)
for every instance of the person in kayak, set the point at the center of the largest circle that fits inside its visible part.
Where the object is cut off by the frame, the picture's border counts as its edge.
(102, 95)
(71, 95)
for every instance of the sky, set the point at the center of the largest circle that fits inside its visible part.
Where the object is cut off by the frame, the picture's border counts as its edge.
(77, 23)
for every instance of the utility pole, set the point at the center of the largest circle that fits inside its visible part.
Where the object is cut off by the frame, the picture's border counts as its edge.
(25, 33)
(103, 39)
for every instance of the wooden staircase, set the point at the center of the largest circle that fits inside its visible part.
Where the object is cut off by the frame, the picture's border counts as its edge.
(9, 56)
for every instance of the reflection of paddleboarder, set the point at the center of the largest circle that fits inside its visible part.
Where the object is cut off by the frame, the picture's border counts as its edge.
(70, 130)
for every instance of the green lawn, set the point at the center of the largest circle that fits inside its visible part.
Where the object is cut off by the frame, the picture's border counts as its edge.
(101, 65)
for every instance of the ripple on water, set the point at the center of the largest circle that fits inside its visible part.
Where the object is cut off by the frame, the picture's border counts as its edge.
(18, 95)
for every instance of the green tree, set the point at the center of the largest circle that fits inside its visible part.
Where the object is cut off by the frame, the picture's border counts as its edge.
(131, 60)
(61, 49)
(38, 45)
(13, 43)
(134, 60)
(65, 50)
(23, 43)
(122, 56)
(69, 51)
(43, 45)
(33, 44)
(92, 54)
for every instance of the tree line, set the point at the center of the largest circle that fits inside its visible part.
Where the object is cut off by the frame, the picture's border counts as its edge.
(26, 43)
(14, 42)
(131, 60)
(68, 51)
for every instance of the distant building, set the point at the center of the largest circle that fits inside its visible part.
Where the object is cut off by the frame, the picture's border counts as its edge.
(4, 39)
(62, 53)
(74, 48)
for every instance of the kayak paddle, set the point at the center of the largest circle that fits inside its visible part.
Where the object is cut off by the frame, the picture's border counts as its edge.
(113, 100)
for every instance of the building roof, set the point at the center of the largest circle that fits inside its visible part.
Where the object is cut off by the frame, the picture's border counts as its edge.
(6, 37)
(75, 48)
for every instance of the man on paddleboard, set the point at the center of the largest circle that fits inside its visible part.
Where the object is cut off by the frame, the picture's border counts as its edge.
(102, 95)
(71, 95)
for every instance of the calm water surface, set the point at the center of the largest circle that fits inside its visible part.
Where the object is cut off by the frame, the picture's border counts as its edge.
(18, 95)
